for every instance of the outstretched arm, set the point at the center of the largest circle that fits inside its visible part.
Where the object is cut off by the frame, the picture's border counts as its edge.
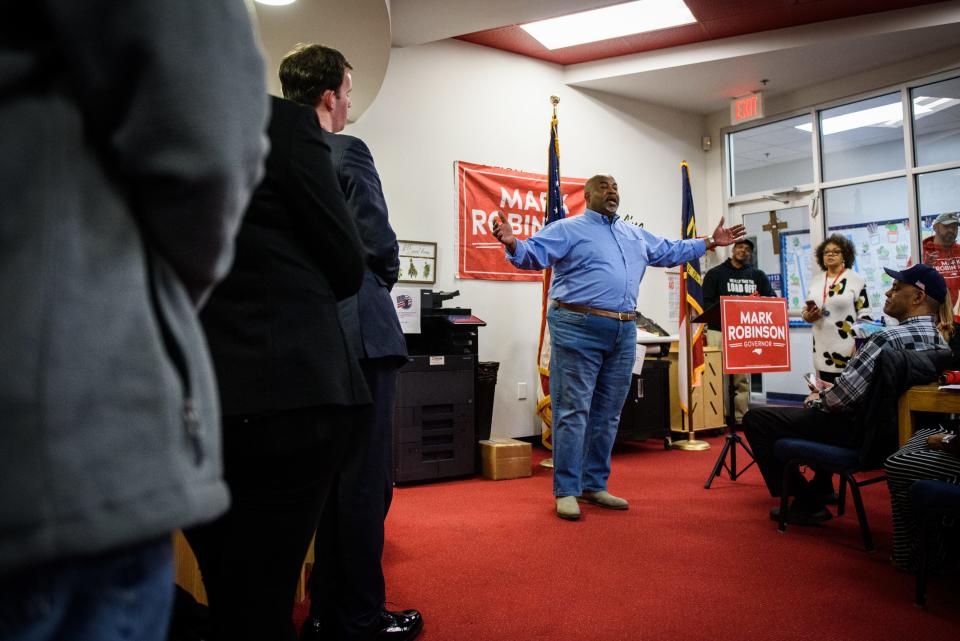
(504, 233)
(539, 251)
(723, 236)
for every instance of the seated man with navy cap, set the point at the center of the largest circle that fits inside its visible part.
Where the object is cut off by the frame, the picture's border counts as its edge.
(916, 299)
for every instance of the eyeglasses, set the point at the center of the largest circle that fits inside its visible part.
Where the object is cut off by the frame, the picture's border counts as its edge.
(832, 252)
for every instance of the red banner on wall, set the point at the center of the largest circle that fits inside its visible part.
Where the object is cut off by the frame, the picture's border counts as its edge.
(756, 334)
(484, 192)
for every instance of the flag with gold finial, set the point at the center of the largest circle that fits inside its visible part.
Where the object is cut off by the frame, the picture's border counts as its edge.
(691, 302)
(554, 211)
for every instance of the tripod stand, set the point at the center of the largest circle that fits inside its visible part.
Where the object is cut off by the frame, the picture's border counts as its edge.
(730, 443)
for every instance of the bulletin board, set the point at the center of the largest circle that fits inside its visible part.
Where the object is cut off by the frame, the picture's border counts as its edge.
(796, 260)
(879, 244)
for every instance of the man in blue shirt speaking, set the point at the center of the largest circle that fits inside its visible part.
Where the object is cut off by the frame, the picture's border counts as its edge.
(598, 262)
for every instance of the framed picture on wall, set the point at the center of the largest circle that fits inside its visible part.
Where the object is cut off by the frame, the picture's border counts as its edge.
(418, 261)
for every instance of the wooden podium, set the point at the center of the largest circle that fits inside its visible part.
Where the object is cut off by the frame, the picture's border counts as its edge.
(707, 399)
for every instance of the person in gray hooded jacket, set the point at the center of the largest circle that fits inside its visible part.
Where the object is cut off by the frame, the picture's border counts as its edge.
(132, 138)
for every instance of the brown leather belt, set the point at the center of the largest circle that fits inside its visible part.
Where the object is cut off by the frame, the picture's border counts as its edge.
(623, 316)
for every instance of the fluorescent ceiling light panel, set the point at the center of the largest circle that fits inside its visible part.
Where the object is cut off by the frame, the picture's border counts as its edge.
(883, 116)
(932, 105)
(609, 22)
(276, 3)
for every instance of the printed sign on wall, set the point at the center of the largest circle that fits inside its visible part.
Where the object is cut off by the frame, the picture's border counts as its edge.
(484, 192)
(756, 334)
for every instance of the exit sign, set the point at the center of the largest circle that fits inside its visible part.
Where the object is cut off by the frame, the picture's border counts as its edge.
(744, 108)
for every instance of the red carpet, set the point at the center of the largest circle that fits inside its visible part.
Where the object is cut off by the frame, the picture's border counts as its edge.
(487, 560)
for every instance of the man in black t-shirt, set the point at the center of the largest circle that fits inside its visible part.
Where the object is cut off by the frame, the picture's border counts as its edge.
(735, 277)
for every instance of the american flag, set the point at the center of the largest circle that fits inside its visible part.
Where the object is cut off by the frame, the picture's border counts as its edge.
(554, 211)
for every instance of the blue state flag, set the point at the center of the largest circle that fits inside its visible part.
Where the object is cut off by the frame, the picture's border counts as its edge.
(691, 301)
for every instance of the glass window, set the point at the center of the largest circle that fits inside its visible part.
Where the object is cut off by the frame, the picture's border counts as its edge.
(862, 138)
(874, 216)
(939, 193)
(770, 156)
(936, 122)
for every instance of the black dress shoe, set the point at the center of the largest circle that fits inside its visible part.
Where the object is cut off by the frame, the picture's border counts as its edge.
(397, 626)
(799, 516)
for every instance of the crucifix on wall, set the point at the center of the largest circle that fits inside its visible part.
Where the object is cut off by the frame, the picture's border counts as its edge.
(774, 227)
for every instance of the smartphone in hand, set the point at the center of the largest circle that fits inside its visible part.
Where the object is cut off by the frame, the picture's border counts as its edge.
(814, 312)
(814, 383)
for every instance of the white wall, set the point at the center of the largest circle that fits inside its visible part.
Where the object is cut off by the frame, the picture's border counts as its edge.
(451, 101)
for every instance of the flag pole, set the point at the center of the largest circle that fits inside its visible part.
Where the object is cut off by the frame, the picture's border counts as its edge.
(691, 444)
(688, 304)
(547, 462)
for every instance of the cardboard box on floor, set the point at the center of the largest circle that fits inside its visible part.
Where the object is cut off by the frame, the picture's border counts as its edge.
(505, 458)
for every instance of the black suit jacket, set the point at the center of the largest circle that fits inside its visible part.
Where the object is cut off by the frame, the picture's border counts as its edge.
(273, 324)
(369, 318)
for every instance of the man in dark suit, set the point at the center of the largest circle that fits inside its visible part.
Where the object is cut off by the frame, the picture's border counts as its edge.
(347, 586)
(288, 383)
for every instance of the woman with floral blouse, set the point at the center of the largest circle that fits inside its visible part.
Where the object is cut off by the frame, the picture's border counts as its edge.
(834, 300)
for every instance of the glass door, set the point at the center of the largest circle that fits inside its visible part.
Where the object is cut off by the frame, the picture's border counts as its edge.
(781, 240)
(783, 250)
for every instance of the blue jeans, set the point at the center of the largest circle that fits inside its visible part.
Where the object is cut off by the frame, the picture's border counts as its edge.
(591, 362)
(126, 595)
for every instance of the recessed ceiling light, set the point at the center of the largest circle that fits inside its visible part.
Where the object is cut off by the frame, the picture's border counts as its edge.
(609, 22)
(276, 3)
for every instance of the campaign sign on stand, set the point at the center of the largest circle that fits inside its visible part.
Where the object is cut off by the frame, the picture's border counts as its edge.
(756, 334)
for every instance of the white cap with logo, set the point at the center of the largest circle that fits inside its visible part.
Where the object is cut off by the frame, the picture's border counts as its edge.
(947, 218)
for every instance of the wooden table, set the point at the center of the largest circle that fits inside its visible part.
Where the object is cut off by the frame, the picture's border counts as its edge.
(924, 398)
